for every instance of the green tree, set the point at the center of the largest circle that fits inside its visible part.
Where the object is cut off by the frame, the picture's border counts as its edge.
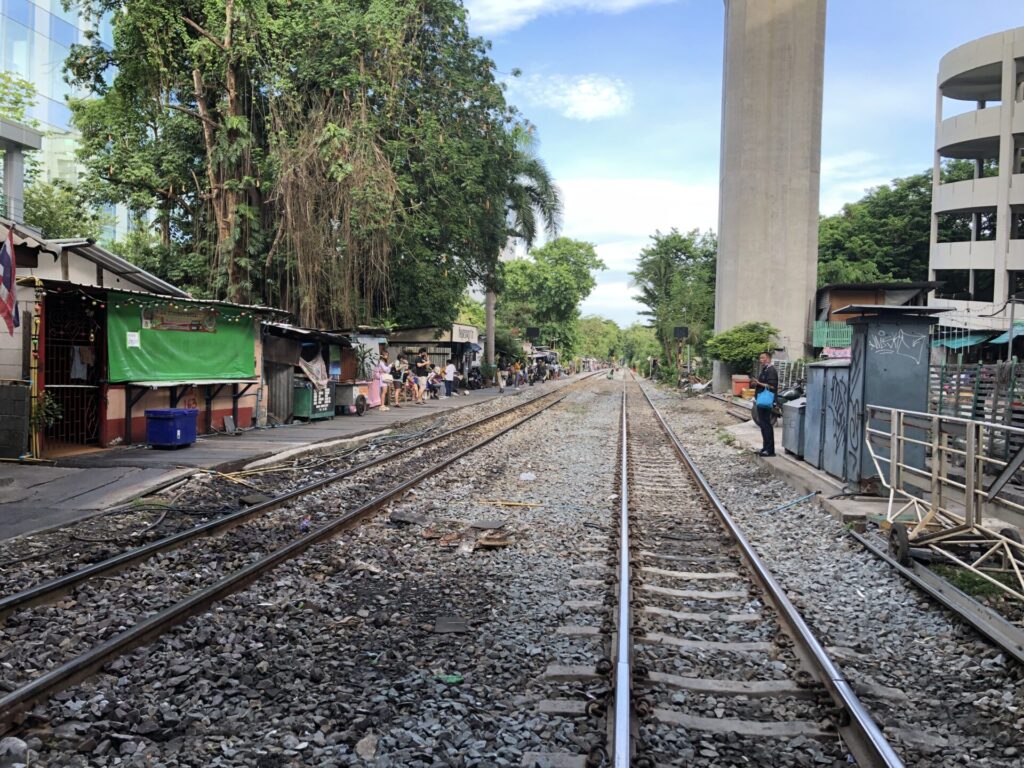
(471, 311)
(545, 290)
(639, 342)
(739, 346)
(17, 95)
(600, 338)
(532, 202)
(885, 234)
(336, 159)
(62, 209)
(676, 278)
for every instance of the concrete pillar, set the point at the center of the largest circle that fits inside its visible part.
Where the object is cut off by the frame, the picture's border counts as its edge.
(1004, 217)
(14, 182)
(770, 168)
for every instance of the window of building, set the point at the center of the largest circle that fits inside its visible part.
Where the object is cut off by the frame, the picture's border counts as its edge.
(62, 33)
(1015, 283)
(984, 285)
(69, 15)
(954, 227)
(18, 49)
(19, 11)
(956, 284)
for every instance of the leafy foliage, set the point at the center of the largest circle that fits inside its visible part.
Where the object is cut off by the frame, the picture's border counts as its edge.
(16, 96)
(61, 209)
(546, 288)
(739, 345)
(639, 342)
(334, 158)
(676, 278)
(884, 235)
(600, 338)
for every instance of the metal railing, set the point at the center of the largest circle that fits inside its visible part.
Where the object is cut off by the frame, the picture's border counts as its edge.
(623, 651)
(953, 484)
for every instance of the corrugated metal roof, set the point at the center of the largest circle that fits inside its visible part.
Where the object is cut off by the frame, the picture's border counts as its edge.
(114, 264)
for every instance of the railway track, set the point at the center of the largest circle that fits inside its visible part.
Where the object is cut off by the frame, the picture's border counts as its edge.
(711, 659)
(112, 610)
(206, 497)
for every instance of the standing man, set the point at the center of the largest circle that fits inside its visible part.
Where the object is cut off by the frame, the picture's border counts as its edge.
(422, 370)
(767, 379)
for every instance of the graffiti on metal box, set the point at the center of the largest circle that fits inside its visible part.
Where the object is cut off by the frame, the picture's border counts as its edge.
(905, 344)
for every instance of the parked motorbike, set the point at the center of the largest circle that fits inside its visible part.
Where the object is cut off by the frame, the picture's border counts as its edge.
(475, 380)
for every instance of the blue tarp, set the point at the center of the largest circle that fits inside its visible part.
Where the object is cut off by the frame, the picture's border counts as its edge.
(959, 342)
(1018, 330)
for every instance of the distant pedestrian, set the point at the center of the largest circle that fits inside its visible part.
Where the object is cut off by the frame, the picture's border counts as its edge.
(382, 372)
(449, 378)
(422, 370)
(767, 380)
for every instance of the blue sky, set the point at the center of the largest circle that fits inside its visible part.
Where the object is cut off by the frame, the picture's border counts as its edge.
(626, 97)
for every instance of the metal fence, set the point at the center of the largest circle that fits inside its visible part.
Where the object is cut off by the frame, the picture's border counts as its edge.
(951, 491)
(992, 393)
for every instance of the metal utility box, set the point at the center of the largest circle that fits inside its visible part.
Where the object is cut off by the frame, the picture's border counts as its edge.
(825, 415)
(312, 403)
(793, 426)
(171, 427)
(889, 358)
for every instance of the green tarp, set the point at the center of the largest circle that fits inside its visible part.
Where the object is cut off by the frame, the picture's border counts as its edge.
(170, 340)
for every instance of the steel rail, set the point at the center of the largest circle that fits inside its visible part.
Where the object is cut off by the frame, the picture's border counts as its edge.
(154, 626)
(51, 589)
(986, 622)
(622, 751)
(860, 732)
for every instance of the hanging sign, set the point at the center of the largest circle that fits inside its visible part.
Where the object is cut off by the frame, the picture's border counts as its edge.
(197, 320)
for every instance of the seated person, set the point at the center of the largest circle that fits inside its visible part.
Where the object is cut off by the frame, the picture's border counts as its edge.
(435, 382)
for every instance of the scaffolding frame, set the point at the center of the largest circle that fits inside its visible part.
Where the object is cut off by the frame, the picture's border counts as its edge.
(945, 476)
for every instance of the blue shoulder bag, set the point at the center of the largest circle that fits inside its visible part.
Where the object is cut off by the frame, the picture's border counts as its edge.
(765, 398)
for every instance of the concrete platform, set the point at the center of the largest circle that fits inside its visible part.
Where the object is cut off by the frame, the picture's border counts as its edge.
(805, 478)
(37, 497)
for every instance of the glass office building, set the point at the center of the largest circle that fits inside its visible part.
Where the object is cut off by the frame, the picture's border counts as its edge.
(35, 39)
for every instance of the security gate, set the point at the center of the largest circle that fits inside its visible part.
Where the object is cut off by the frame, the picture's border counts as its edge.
(73, 346)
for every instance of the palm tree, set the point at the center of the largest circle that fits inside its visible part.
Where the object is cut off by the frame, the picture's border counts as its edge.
(532, 199)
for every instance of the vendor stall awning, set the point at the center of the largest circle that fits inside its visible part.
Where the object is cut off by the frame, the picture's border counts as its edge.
(1018, 330)
(959, 342)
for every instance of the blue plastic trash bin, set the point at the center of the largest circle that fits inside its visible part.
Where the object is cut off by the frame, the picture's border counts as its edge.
(171, 427)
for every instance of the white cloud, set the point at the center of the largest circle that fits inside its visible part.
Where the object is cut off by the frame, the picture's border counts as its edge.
(613, 300)
(619, 216)
(490, 17)
(579, 97)
(607, 210)
(846, 177)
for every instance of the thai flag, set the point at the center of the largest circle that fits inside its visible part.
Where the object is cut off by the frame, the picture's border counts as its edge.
(8, 303)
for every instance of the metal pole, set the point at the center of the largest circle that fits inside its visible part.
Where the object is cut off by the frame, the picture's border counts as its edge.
(1009, 343)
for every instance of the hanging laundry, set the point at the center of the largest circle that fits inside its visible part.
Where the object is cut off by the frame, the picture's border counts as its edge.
(315, 371)
(79, 368)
